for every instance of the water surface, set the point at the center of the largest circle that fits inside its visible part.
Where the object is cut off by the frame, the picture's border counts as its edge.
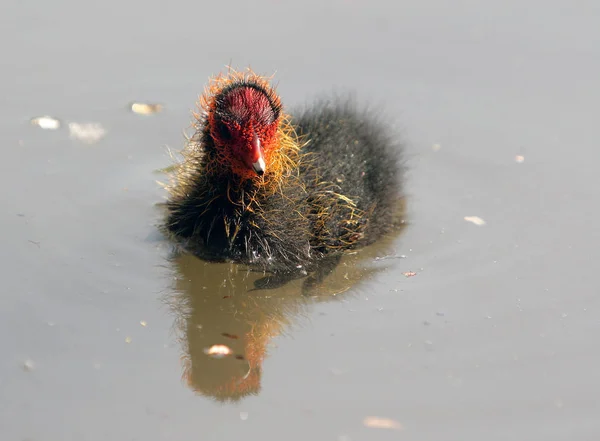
(493, 338)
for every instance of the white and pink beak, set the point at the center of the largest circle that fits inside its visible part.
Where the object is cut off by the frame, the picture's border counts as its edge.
(256, 157)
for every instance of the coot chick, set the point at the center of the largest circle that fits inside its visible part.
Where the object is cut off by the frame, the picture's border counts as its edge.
(277, 192)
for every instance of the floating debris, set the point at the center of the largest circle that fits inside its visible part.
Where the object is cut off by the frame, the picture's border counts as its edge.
(382, 423)
(145, 108)
(218, 351)
(232, 336)
(409, 274)
(87, 132)
(143, 323)
(519, 159)
(128, 340)
(46, 122)
(243, 416)
(475, 220)
(28, 365)
(392, 256)
(436, 147)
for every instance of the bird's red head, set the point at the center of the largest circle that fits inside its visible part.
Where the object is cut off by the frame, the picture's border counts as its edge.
(243, 122)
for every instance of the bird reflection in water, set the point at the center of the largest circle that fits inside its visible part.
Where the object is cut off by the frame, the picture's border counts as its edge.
(225, 304)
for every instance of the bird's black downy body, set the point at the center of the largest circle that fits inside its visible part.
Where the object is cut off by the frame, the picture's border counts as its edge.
(344, 193)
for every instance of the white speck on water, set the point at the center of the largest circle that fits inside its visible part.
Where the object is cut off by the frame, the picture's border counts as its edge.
(218, 351)
(87, 132)
(381, 423)
(46, 122)
(145, 108)
(28, 365)
(563, 315)
(475, 220)
(243, 416)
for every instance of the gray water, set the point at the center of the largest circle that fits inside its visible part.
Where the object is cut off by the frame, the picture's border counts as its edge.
(494, 337)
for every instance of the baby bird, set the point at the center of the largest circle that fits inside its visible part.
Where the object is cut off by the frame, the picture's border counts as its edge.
(277, 192)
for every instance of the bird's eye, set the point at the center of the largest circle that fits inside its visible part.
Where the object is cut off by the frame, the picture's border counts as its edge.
(223, 130)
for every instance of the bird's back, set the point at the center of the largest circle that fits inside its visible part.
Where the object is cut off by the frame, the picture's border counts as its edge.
(360, 160)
